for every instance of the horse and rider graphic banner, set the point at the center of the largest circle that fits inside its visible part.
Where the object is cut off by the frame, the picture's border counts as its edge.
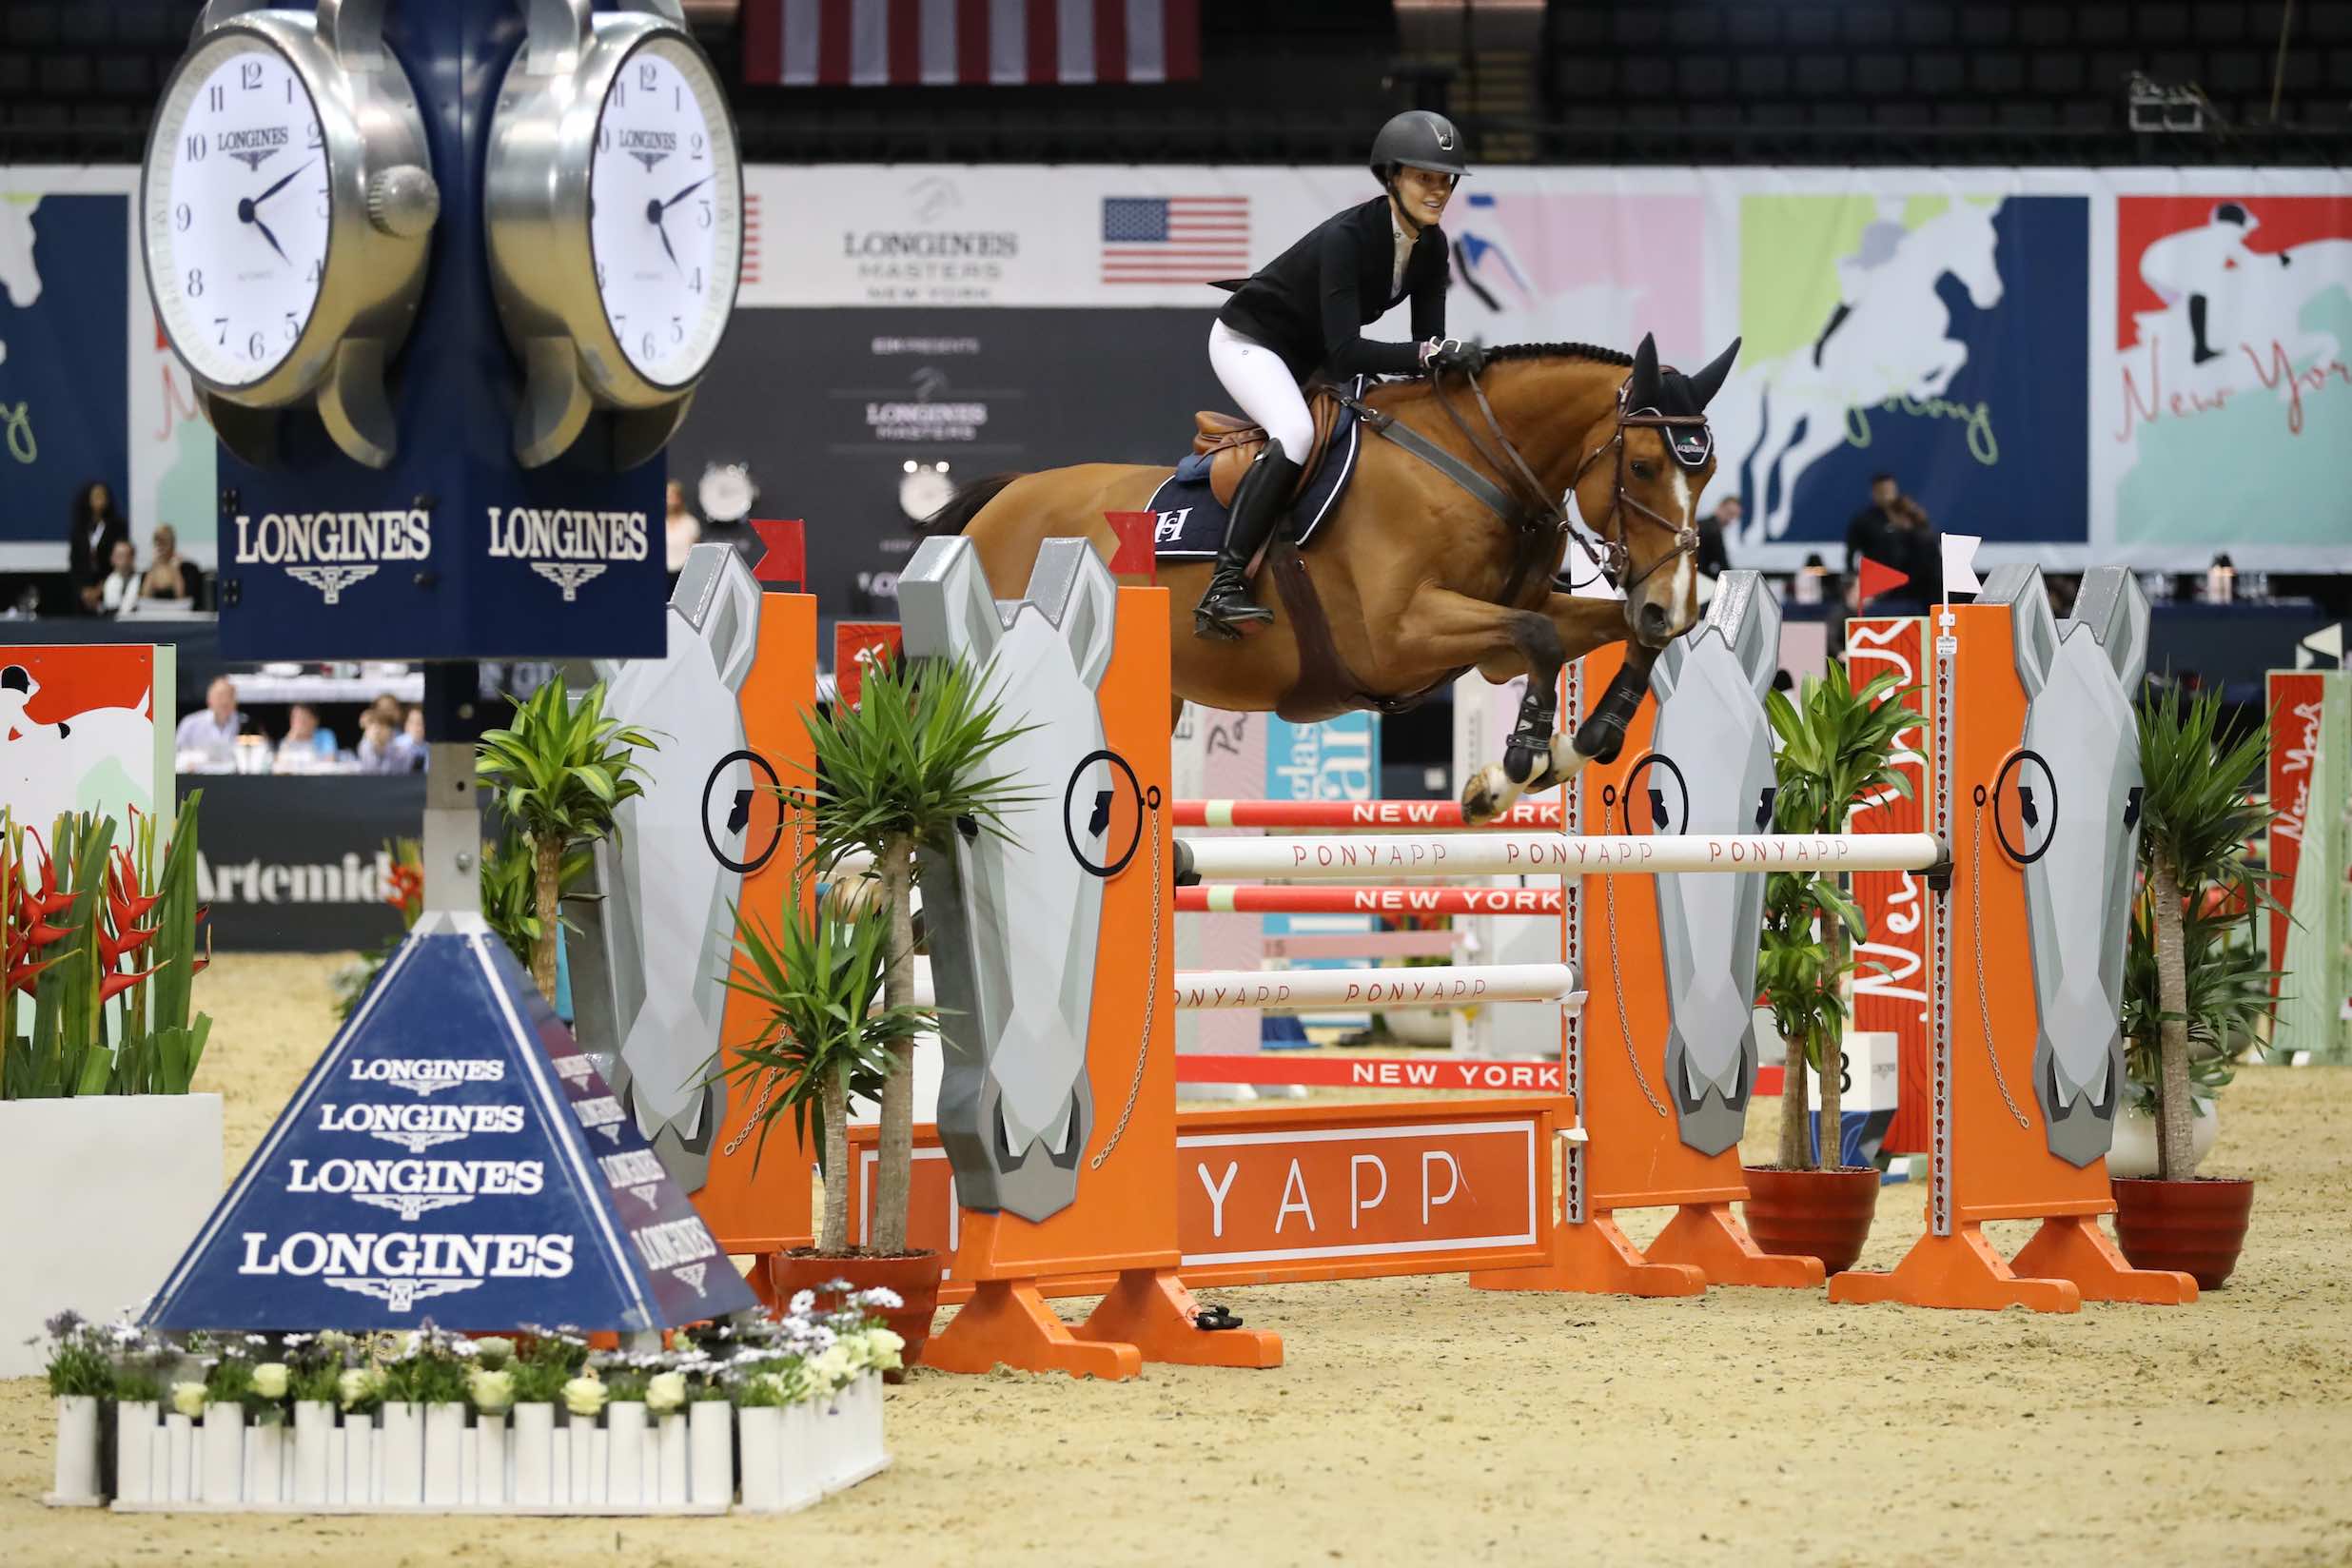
(2080, 365)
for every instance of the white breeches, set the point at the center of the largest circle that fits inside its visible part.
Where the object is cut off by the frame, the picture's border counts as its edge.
(1256, 379)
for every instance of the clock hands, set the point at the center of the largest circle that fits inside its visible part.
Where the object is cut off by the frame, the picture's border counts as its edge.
(247, 213)
(654, 207)
(282, 182)
(683, 194)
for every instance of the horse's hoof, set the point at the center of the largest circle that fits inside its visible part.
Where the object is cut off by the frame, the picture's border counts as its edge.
(1563, 763)
(1488, 794)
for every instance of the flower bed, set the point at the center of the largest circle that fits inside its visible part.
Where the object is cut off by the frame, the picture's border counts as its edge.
(768, 1414)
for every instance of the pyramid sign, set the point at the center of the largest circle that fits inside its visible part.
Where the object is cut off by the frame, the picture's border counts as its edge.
(453, 1156)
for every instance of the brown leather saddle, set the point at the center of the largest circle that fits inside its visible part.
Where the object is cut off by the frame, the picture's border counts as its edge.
(1231, 443)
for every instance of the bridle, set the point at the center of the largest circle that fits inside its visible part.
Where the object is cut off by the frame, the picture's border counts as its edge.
(1615, 560)
(1534, 506)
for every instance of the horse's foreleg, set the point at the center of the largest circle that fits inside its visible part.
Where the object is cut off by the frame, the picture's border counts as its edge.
(1451, 630)
(1582, 625)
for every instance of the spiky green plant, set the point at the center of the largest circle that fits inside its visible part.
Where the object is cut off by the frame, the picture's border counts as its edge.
(903, 770)
(822, 1039)
(559, 773)
(2229, 994)
(1837, 753)
(2198, 811)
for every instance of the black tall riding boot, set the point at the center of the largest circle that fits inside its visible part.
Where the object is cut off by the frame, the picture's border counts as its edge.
(1262, 498)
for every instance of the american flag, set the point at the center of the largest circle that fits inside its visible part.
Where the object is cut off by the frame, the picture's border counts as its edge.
(1174, 239)
(972, 43)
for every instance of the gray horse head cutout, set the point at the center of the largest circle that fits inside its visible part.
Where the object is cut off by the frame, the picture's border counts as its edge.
(1014, 922)
(2075, 788)
(1710, 771)
(646, 971)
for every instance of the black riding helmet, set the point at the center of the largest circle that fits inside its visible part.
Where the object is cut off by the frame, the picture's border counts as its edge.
(1420, 140)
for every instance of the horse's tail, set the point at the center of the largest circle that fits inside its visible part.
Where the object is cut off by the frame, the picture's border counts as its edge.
(965, 504)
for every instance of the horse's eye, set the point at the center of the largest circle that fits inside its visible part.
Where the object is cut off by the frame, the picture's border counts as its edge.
(1642, 470)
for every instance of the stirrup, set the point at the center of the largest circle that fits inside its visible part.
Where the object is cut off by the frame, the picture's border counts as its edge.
(1225, 609)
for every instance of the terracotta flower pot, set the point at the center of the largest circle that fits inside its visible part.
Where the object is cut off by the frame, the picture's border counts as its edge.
(2196, 1226)
(1823, 1214)
(913, 1275)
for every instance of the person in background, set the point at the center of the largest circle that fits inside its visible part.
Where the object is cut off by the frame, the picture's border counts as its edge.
(306, 745)
(169, 576)
(681, 530)
(1893, 530)
(121, 588)
(212, 734)
(1714, 560)
(96, 528)
(411, 740)
(380, 750)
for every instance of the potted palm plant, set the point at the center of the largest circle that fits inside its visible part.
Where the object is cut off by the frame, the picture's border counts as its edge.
(2198, 811)
(904, 769)
(2228, 992)
(559, 774)
(1836, 753)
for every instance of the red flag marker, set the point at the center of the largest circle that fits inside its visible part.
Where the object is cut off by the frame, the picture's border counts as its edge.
(1135, 557)
(859, 645)
(786, 559)
(1878, 579)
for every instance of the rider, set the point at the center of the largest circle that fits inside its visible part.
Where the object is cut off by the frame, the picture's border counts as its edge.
(1306, 311)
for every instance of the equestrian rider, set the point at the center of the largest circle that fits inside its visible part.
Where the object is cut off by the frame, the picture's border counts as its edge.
(1306, 311)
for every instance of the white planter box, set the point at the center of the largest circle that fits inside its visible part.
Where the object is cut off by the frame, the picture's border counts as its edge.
(444, 1443)
(314, 1426)
(75, 1484)
(624, 1434)
(221, 1480)
(141, 1171)
(265, 1465)
(136, 1433)
(535, 1455)
(710, 1435)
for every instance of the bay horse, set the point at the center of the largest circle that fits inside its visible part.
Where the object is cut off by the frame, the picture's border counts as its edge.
(1441, 556)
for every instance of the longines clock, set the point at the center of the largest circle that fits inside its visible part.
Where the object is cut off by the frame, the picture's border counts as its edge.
(286, 205)
(614, 203)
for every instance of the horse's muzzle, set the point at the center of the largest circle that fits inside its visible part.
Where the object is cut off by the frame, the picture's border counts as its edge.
(1654, 625)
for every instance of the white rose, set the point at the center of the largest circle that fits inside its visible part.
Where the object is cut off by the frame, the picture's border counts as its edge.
(358, 1383)
(883, 1350)
(188, 1399)
(834, 1369)
(493, 1389)
(495, 1351)
(665, 1392)
(584, 1397)
(270, 1379)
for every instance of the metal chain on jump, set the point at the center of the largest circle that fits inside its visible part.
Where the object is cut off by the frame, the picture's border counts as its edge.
(1151, 1002)
(769, 1080)
(1976, 922)
(1616, 978)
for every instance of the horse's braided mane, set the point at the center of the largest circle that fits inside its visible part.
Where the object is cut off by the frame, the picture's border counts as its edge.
(1558, 351)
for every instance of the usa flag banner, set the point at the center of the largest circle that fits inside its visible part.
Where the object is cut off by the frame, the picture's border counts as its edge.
(969, 42)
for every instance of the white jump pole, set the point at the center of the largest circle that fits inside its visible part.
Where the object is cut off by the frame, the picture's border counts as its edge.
(1555, 855)
(1441, 985)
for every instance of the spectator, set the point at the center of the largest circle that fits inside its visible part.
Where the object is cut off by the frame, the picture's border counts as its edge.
(1893, 530)
(121, 588)
(306, 745)
(89, 546)
(409, 744)
(1714, 560)
(213, 733)
(380, 750)
(682, 528)
(169, 576)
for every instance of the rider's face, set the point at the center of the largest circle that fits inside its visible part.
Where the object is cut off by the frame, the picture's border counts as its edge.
(1422, 195)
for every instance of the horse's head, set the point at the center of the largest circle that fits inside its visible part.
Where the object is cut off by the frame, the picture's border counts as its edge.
(19, 278)
(2068, 805)
(1967, 248)
(1645, 465)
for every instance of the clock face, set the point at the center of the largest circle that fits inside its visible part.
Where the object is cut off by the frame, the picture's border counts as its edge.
(237, 212)
(665, 222)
